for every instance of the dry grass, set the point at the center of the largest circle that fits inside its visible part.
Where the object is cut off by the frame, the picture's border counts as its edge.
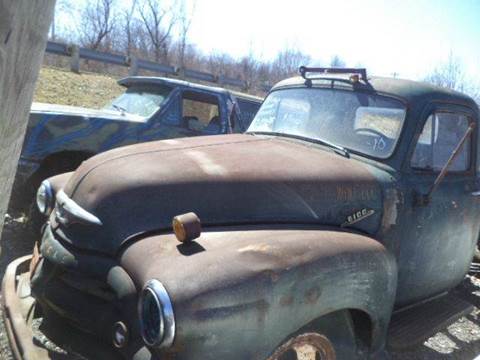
(60, 86)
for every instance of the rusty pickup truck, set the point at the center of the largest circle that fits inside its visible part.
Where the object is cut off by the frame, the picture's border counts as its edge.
(335, 228)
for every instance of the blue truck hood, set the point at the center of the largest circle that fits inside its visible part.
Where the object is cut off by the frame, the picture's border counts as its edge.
(56, 128)
(55, 109)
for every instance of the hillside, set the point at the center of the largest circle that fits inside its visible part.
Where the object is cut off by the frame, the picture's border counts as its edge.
(60, 86)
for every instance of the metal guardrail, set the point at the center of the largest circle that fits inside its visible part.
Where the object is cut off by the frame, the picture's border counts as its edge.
(57, 48)
(155, 67)
(108, 58)
(76, 53)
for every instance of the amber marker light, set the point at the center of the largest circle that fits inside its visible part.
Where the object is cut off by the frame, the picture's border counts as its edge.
(186, 227)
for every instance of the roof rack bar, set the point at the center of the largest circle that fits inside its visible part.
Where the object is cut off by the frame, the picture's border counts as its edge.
(303, 70)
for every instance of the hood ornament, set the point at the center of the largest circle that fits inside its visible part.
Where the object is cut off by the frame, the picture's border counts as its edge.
(358, 216)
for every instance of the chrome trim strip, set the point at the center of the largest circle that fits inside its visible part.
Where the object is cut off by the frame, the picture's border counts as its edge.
(69, 211)
(166, 308)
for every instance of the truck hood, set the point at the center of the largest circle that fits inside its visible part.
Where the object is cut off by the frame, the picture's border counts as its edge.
(225, 180)
(56, 128)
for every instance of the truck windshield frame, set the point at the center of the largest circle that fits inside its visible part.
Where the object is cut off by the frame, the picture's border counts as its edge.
(361, 122)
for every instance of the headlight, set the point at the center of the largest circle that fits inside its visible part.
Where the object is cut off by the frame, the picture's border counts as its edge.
(157, 322)
(45, 198)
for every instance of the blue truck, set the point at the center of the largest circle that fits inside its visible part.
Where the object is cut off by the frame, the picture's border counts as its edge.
(59, 138)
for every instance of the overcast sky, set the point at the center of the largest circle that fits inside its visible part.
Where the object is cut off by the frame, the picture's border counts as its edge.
(406, 37)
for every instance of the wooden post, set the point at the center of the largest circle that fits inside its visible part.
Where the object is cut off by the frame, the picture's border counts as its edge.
(133, 63)
(181, 73)
(23, 34)
(75, 59)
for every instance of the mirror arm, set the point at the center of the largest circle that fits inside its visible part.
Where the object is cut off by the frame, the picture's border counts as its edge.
(424, 199)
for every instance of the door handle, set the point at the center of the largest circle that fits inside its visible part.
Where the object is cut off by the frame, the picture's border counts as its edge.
(476, 193)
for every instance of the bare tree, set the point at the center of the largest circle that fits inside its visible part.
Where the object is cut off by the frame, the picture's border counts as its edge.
(287, 63)
(248, 69)
(23, 33)
(194, 59)
(220, 64)
(337, 62)
(184, 21)
(98, 21)
(449, 74)
(130, 31)
(158, 23)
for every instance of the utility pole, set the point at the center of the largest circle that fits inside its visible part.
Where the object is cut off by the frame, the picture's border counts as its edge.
(24, 28)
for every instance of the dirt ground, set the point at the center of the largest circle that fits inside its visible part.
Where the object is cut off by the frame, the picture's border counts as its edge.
(60, 86)
(459, 341)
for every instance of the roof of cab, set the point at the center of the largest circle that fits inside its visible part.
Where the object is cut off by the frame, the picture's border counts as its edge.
(154, 80)
(408, 90)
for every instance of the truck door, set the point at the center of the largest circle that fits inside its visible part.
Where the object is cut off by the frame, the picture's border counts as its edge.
(438, 242)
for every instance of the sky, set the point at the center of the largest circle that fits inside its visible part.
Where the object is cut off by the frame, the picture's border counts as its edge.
(405, 37)
(408, 38)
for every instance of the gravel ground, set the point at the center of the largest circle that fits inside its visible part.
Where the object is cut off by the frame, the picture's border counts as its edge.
(460, 340)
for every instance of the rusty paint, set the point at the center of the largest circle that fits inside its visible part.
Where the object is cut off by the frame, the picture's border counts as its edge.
(236, 310)
(247, 191)
(286, 300)
(232, 289)
(309, 346)
(350, 193)
(312, 295)
(390, 208)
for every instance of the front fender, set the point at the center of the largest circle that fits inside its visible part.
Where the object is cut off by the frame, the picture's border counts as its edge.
(238, 292)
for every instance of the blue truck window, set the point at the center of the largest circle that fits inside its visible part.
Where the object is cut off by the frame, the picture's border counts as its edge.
(141, 100)
(201, 113)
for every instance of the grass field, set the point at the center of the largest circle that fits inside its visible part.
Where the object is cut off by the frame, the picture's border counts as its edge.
(60, 86)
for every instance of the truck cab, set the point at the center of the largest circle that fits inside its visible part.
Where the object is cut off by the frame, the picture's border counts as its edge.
(340, 222)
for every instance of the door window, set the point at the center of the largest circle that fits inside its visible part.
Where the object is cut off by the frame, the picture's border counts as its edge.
(201, 113)
(440, 136)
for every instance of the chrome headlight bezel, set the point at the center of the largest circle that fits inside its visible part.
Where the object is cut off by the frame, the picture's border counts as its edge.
(45, 198)
(163, 337)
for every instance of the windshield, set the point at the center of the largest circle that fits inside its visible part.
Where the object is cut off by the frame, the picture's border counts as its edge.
(139, 100)
(357, 121)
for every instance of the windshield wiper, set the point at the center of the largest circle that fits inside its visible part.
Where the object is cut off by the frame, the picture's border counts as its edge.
(119, 108)
(337, 148)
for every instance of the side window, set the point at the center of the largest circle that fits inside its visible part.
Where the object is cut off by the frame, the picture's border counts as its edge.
(201, 113)
(440, 136)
